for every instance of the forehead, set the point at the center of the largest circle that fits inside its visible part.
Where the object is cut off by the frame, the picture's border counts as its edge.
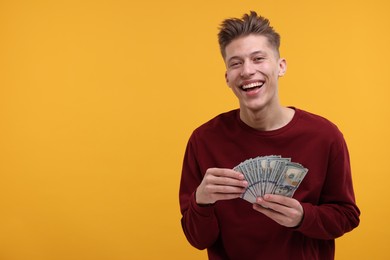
(246, 45)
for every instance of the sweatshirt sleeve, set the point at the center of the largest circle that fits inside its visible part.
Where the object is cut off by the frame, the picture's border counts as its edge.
(199, 223)
(337, 212)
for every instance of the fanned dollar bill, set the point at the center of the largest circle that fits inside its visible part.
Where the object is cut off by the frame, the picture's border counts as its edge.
(270, 175)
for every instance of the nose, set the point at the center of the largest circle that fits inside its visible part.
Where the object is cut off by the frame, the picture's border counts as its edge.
(247, 70)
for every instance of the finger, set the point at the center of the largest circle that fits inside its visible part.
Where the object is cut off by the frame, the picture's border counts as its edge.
(228, 189)
(271, 205)
(292, 220)
(284, 205)
(235, 188)
(223, 172)
(223, 181)
(227, 196)
(278, 199)
(274, 215)
(218, 177)
(282, 214)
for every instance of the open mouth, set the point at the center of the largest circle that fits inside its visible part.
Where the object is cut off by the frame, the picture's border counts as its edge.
(252, 86)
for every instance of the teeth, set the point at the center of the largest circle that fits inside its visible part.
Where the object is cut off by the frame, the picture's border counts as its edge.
(252, 85)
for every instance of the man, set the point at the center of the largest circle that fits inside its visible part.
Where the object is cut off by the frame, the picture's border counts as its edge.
(274, 227)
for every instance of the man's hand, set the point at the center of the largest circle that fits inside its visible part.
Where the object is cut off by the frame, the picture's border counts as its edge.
(283, 210)
(220, 184)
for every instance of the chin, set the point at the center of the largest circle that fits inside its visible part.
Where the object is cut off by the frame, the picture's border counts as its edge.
(253, 106)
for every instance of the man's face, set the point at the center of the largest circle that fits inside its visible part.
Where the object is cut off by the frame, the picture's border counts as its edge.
(253, 67)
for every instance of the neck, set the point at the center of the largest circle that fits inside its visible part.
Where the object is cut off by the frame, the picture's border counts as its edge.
(267, 119)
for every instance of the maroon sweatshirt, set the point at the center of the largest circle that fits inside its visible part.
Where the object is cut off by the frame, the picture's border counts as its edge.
(231, 229)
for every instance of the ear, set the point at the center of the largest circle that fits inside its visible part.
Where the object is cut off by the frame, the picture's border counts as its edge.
(226, 78)
(282, 67)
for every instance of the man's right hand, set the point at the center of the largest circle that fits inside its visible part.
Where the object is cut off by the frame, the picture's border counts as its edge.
(220, 184)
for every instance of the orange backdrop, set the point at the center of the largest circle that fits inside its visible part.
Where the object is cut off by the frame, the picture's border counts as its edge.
(98, 99)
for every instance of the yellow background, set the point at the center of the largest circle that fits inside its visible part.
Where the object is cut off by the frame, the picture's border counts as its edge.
(98, 99)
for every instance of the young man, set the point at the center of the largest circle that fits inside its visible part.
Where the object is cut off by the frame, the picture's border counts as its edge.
(274, 226)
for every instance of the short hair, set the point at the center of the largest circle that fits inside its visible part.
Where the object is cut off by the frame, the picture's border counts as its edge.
(233, 28)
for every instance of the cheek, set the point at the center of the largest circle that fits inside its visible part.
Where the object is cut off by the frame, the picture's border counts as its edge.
(229, 79)
(231, 85)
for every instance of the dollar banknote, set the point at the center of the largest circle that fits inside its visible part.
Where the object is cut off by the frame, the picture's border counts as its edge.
(270, 175)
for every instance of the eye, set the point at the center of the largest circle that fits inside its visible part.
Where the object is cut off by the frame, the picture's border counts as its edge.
(234, 64)
(258, 59)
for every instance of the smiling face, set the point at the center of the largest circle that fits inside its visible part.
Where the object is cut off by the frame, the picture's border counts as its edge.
(253, 67)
